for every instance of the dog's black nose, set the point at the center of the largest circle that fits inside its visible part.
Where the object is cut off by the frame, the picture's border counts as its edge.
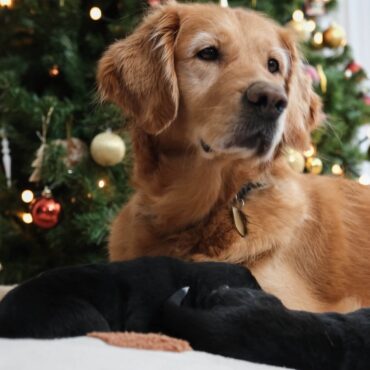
(266, 100)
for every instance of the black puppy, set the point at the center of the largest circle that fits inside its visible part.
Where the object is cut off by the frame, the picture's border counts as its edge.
(119, 296)
(252, 325)
(224, 312)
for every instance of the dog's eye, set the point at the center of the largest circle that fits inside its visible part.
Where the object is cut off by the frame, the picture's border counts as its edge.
(273, 65)
(208, 54)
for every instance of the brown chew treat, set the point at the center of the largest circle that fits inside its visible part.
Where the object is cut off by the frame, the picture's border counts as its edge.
(151, 341)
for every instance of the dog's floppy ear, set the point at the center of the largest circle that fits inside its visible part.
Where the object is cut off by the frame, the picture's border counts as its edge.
(304, 110)
(138, 73)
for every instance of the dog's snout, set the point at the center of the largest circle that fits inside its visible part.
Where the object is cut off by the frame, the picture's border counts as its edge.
(267, 100)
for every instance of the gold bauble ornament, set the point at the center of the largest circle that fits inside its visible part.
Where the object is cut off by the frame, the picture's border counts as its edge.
(314, 165)
(334, 36)
(295, 159)
(107, 149)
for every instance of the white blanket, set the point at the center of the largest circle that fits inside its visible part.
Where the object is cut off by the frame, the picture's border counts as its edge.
(84, 353)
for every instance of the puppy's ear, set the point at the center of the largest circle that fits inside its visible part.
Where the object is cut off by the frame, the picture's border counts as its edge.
(138, 73)
(304, 110)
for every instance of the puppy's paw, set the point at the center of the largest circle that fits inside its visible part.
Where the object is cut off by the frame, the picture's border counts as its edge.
(227, 297)
(214, 298)
(206, 298)
(195, 298)
(202, 288)
(178, 297)
(235, 297)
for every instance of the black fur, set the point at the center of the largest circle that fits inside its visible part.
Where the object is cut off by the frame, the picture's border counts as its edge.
(253, 325)
(224, 312)
(73, 301)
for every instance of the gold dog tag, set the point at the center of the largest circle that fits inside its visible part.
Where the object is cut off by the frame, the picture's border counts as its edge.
(239, 221)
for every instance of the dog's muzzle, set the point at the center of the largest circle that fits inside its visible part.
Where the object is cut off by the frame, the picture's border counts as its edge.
(265, 101)
(262, 105)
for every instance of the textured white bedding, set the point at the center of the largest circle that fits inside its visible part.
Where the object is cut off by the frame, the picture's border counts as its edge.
(84, 353)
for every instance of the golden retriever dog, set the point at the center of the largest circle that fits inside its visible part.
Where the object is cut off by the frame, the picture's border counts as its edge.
(215, 95)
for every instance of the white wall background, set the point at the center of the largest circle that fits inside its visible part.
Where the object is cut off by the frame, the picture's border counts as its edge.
(354, 17)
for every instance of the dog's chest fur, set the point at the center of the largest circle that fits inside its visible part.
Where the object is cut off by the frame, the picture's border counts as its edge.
(277, 277)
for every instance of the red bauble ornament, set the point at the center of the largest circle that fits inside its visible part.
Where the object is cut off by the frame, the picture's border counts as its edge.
(46, 210)
(354, 67)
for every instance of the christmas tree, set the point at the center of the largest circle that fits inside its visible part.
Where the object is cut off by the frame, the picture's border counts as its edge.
(64, 177)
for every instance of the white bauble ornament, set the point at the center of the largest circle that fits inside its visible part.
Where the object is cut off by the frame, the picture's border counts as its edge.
(107, 149)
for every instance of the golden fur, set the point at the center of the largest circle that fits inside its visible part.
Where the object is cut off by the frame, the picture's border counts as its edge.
(308, 236)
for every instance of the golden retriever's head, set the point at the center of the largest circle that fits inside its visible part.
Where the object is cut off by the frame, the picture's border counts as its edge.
(227, 81)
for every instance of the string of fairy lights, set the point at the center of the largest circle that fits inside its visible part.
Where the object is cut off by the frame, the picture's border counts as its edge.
(106, 149)
(51, 209)
(95, 12)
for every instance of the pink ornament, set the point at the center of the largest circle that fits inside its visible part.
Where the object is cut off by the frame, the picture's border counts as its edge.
(154, 2)
(367, 100)
(314, 8)
(312, 73)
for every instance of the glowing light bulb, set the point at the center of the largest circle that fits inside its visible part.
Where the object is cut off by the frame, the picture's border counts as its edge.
(298, 15)
(318, 38)
(337, 169)
(101, 183)
(309, 152)
(54, 71)
(95, 13)
(6, 3)
(27, 196)
(311, 25)
(27, 218)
